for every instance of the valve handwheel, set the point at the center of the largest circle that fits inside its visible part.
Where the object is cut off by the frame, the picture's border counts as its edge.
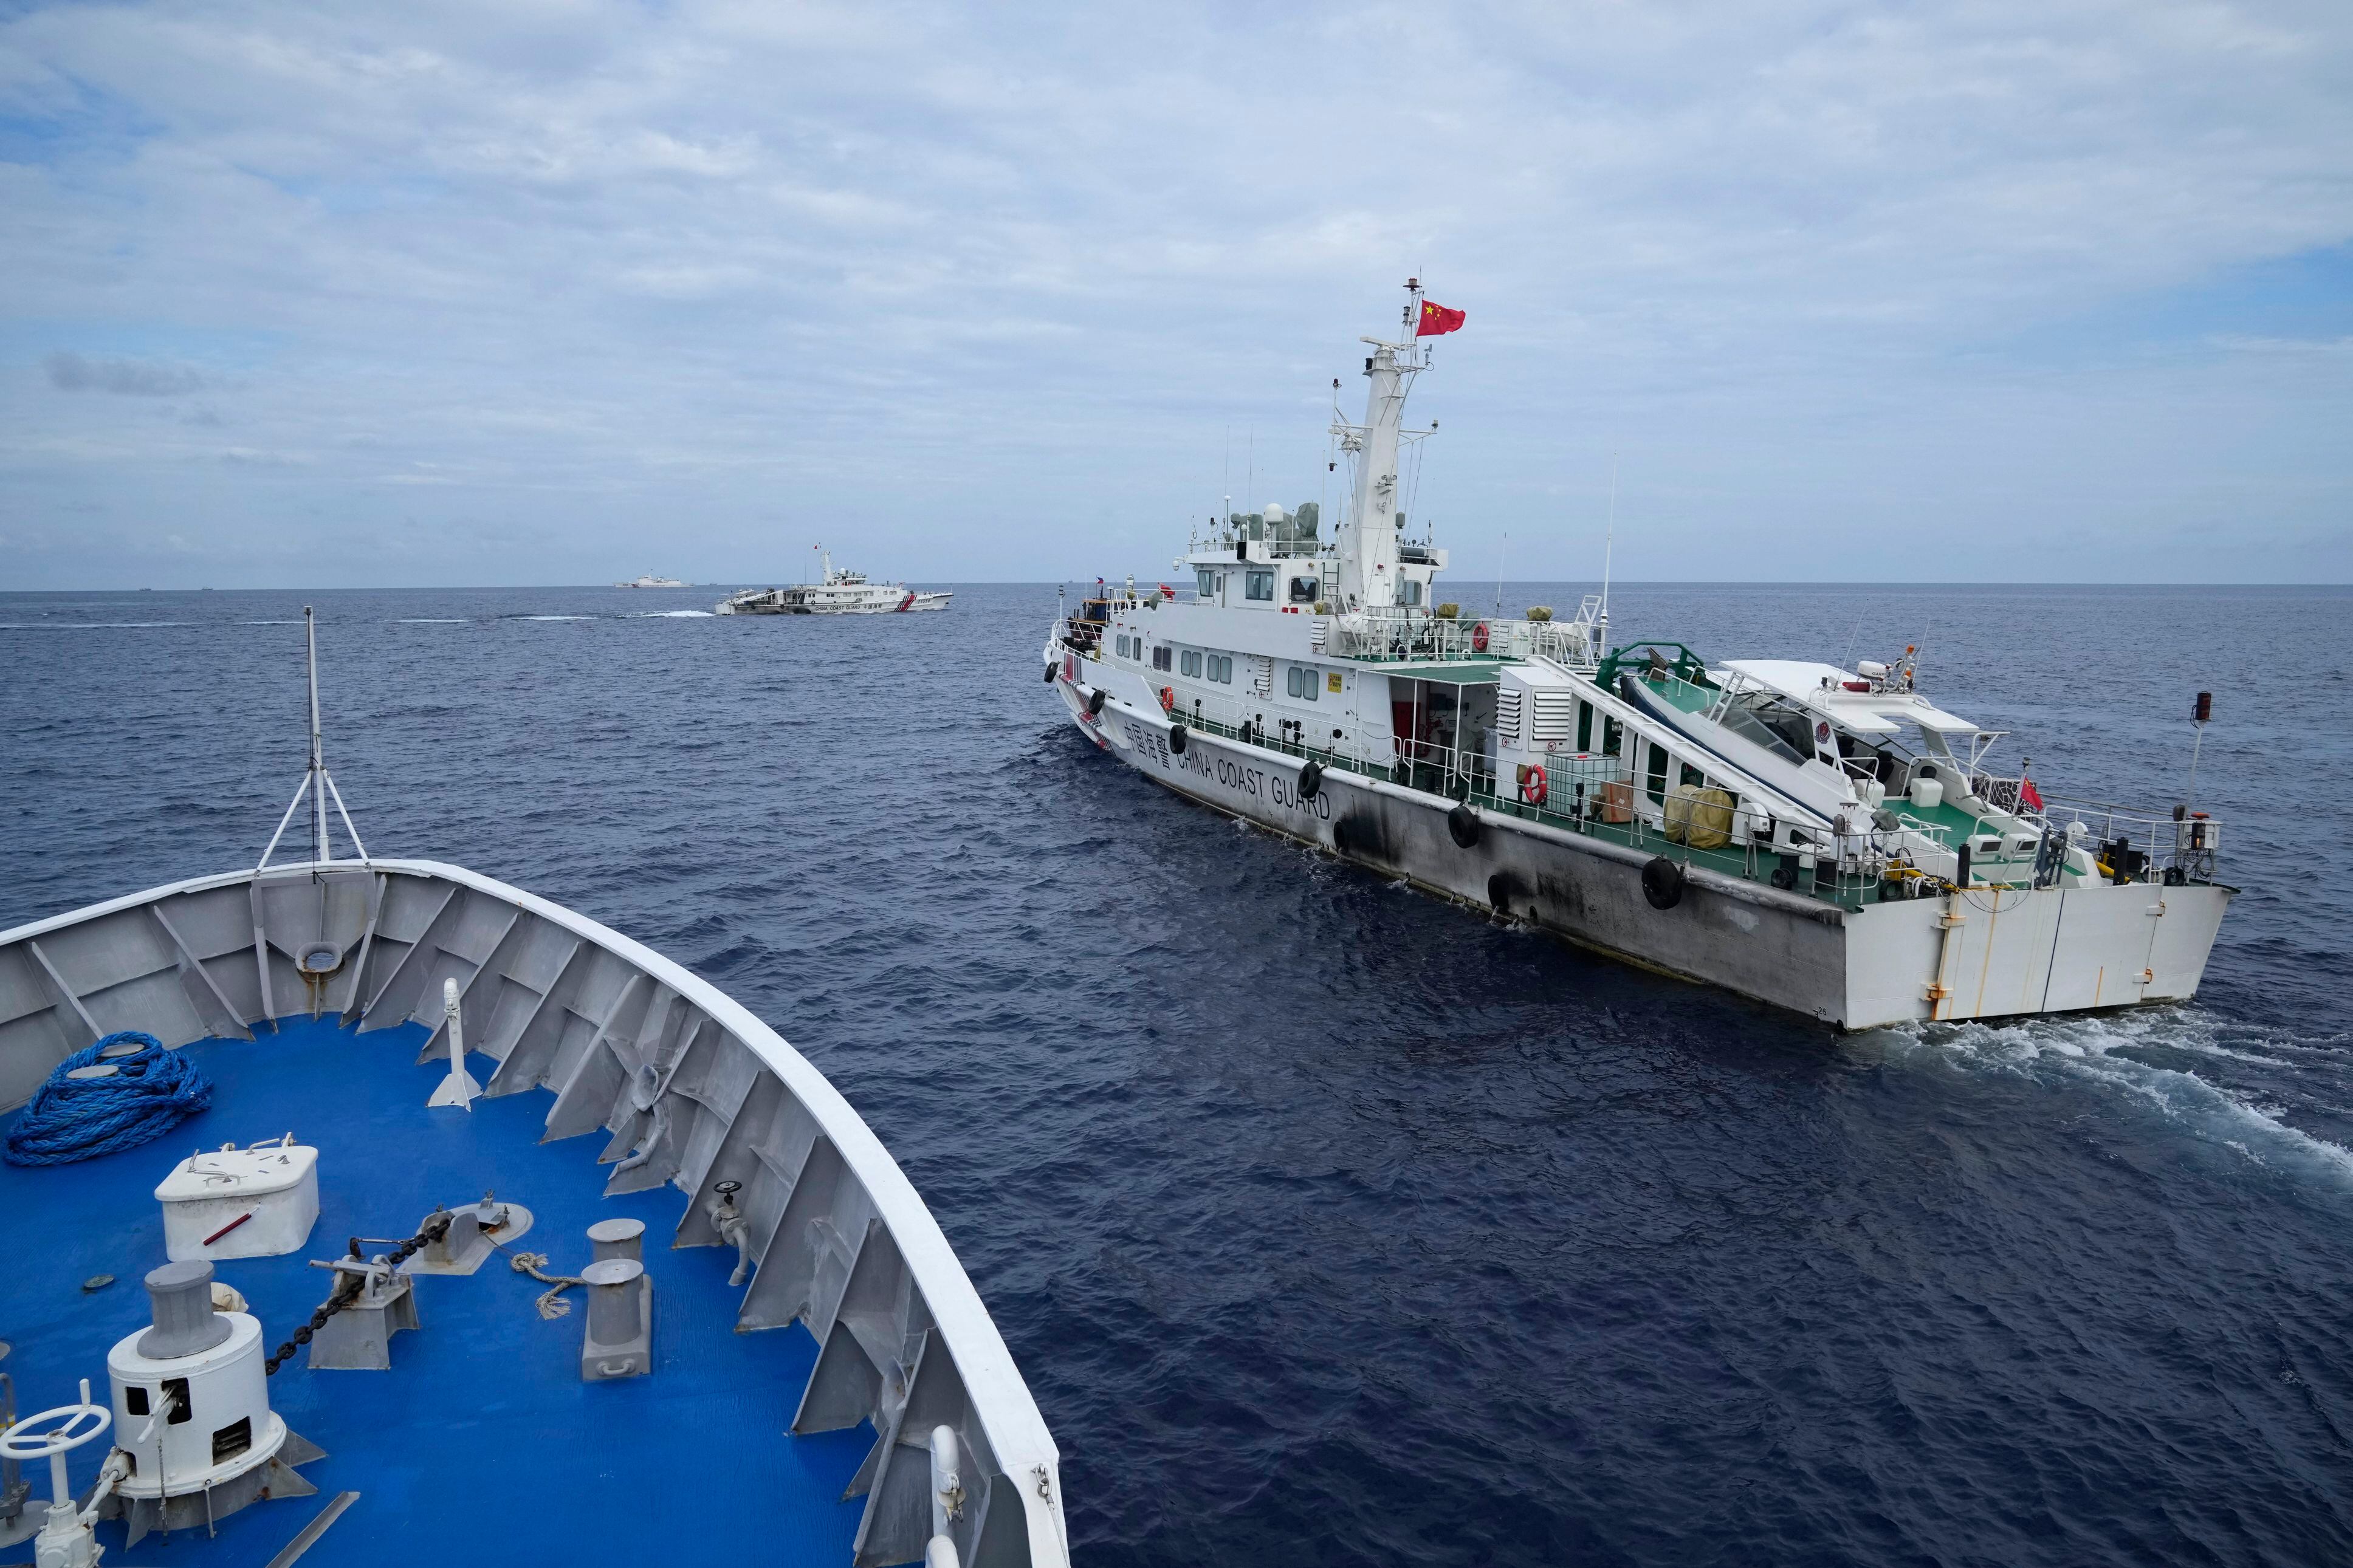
(20, 1442)
(65, 1537)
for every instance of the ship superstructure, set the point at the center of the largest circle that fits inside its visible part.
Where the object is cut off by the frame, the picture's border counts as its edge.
(1823, 839)
(836, 592)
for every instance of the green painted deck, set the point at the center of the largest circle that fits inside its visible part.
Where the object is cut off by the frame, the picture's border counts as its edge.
(1683, 694)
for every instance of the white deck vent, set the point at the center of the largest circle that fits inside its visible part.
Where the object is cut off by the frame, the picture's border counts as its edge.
(1556, 715)
(1508, 705)
(1261, 678)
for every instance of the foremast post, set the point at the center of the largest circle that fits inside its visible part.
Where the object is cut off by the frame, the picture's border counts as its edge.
(317, 785)
(318, 745)
(1368, 537)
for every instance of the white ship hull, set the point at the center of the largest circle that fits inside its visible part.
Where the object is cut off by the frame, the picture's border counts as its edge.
(1822, 839)
(793, 602)
(834, 593)
(1980, 953)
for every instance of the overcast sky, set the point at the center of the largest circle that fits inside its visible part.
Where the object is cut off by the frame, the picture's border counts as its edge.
(1989, 290)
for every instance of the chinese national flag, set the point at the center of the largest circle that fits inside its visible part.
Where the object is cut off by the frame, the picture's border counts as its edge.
(1437, 318)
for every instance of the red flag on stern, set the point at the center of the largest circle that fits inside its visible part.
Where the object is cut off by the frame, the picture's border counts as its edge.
(1437, 318)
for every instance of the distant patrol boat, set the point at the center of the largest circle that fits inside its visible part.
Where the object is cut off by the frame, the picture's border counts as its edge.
(1824, 840)
(836, 592)
(651, 581)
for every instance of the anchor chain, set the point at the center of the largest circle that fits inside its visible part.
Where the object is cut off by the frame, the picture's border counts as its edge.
(348, 1287)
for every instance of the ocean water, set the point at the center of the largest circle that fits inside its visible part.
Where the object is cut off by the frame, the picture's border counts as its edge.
(1332, 1225)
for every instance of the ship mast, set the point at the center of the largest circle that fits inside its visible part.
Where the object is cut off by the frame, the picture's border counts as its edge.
(1368, 536)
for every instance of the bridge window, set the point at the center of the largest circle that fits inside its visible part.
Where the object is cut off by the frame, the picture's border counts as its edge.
(1410, 591)
(1302, 590)
(1204, 583)
(1260, 583)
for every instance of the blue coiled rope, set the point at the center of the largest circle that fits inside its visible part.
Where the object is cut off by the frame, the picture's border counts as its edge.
(146, 1096)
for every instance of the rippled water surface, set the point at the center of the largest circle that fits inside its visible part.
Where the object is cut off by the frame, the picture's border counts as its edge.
(1332, 1225)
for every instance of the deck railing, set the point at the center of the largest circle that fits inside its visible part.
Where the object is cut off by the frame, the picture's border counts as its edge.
(1396, 632)
(1577, 800)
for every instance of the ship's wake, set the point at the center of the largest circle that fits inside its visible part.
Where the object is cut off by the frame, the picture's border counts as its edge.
(2277, 1099)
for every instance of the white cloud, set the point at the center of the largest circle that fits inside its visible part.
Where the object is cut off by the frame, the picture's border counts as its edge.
(1818, 274)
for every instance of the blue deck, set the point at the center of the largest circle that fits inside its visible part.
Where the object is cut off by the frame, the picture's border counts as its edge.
(482, 1442)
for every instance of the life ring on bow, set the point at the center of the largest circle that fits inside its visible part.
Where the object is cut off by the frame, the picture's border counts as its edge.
(1532, 789)
(1168, 699)
(1479, 637)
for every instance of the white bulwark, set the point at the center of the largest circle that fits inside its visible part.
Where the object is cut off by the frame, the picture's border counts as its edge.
(1824, 840)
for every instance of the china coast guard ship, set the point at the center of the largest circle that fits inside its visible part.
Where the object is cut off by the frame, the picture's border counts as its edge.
(836, 592)
(1825, 840)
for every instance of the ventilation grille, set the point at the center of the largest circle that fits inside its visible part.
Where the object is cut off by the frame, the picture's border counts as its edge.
(1556, 715)
(1508, 700)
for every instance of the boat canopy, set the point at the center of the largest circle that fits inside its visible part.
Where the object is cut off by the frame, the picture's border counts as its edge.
(1875, 710)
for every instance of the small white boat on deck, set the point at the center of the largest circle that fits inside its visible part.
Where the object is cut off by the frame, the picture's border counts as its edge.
(1820, 838)
(836, 592)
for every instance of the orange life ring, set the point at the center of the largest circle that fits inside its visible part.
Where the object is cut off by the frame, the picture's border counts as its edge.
(1168, 700)
(1479, 637)
(1532, 789)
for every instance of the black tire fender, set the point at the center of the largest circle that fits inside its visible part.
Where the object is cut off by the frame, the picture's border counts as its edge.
(1462, 825)
(1311, 779)
(1094, 702)
(1662, 883)
(1050, 674)
(1177, 740)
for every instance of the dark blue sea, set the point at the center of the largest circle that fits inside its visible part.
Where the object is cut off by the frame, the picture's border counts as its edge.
(1332, 1225)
